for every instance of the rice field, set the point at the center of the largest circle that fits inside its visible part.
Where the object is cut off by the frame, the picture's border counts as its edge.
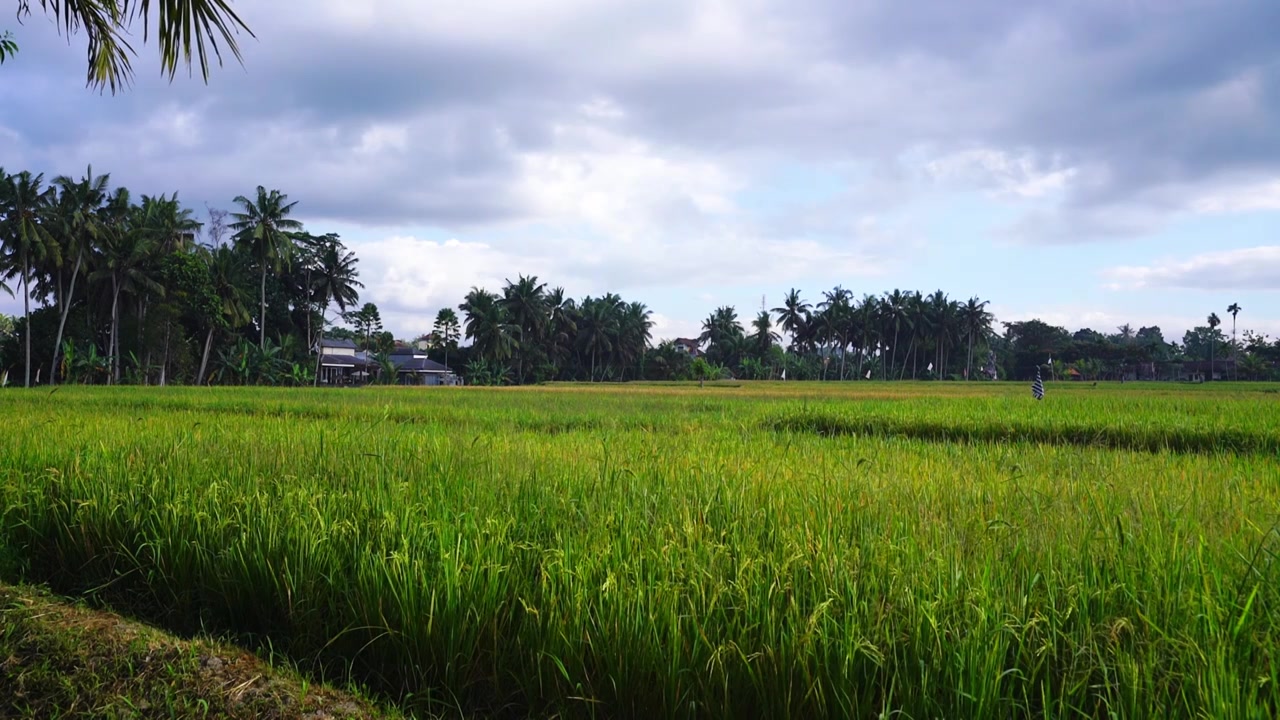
(930, 550)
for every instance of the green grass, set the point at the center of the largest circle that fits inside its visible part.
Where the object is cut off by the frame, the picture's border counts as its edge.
(62, 661)
(770, 550)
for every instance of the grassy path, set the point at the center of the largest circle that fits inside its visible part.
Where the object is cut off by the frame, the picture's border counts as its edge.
(59, 660)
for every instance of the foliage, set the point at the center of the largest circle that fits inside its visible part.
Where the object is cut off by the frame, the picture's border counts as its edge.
(124, 281)
(8, 47)
(188, 32)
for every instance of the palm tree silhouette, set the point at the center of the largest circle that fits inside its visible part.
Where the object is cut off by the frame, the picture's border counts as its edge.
(1234, 309)
(1214, 322)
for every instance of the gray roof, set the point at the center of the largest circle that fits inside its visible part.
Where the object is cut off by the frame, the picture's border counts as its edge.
(344, 361)
(417, 364)
(337, 343)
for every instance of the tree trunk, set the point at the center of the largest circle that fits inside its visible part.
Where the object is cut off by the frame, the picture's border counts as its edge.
(204, 358)
(115, 332)
(62, 322)
(843, 344)
(26, 309)
(911, 344)
(315, 381)
(142, 341)
(164, 364)
(968, 367)
(262, 310)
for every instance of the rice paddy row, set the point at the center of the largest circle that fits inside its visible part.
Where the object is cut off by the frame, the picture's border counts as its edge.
(755, 551)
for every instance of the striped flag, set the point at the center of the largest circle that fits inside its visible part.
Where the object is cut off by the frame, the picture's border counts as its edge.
(1037, 387)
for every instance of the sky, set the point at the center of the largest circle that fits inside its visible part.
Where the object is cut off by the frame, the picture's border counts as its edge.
(1090, 163)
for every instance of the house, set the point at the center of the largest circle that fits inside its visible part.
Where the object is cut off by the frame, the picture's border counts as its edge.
(689, 345)
(413, 367)
(1199, 370)
(341, 363)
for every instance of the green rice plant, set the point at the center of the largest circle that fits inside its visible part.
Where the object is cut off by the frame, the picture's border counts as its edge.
(680, 551)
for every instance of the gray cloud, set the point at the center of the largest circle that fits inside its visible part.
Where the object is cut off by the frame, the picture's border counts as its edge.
(1116, 115)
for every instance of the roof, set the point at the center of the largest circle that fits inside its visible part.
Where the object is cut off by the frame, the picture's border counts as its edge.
(405, 350)
(343, 361)
(337, 343)
(418, 364)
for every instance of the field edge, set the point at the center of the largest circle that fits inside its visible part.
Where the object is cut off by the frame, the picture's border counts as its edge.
(60, 659)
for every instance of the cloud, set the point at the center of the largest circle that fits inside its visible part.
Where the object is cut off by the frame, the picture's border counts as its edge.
(1256, 268)
(614, 144)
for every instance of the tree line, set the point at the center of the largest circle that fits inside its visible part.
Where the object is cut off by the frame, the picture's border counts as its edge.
(134, 290)
(125, 292)
(529, 333)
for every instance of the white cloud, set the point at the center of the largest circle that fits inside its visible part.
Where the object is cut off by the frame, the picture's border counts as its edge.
(1256, 268)
(1243, 198)
(1017, 175)
(410, 279)
(668, 328)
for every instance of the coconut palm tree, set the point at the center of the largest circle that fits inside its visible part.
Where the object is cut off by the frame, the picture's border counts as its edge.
(1234, 309)
(263, 227)
(793, 316)
(226, 267)
(492, 334)
(894, 306)
(334, 280)
(1214, 322)
(634, 333)
(975, 320)
(764, 337)
(835, 308)
(124, 256)
(524, 302)
(562, 326)
(188, 31)
(597, 328)
(76, 213)
(24, 237)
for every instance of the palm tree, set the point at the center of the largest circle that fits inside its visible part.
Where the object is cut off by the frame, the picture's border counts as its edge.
(894, 306)
(1214, 322)
(1234, 309)
(764, 337)
(263, 228)
(447, 330)
(793, 316)
(77, 214)
(635, 331)
(835, 308)
(491, 333)
(25, 236)
(226, 266)
(124, 254)
(187, 30)
(561, 325)
(525, 304)
(975, 320)
(334, 280)
(721, 331)
(597, 328)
